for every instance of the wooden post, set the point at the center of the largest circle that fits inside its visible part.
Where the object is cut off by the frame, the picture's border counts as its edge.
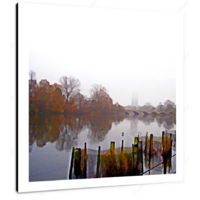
(150, 150)
(85, 162)
(138, 152)
(146, 148)
(170, 144)
(98, 161)
(136, 141)
(112, 147)
(151, 144)
(163, 141)
(167, 150)
(133, 155)
(170, 152)
(142, 156)
(149, 163)
(165, 164)
(122, 146)
(77, 170)
(146, 142)
(71, 166)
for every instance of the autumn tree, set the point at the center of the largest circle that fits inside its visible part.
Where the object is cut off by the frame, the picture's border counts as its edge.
(81, 102)
(118, 109)
(98, 92)
(55, 102)
(70, 86)
(101, 99)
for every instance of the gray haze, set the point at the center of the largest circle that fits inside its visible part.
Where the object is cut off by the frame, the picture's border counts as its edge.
(124, 51)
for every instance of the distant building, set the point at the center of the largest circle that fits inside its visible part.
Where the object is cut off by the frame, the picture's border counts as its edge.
(134, 102)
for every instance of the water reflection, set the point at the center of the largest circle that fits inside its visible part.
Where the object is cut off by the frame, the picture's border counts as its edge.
(65, 130)
(147, 120)
(98, 128)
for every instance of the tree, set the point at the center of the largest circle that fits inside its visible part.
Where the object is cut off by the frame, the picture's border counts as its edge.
(55, 102)
(32, 74)
(98, 93)
(168, 102)
(32, 83)
(70, 86)
(147, 107)
(160, 107)
(80, 101)
(118, 109)
(169, 108)
(101, 99)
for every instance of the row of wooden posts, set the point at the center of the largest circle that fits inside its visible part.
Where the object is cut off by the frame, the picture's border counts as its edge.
(137, 155)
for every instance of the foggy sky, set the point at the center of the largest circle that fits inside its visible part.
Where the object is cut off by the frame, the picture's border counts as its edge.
(124, 51)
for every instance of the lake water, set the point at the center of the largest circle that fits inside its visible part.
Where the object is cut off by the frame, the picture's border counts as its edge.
(52, 138)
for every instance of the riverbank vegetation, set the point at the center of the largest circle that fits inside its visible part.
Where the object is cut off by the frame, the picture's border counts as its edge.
(66, 98)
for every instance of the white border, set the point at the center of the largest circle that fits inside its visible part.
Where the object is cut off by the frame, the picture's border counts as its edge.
(23, 155)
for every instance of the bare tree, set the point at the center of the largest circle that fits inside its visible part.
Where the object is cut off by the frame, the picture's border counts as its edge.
(70, 86)
(32, 82)
(32, 74)
(101, 101)
(98, 92)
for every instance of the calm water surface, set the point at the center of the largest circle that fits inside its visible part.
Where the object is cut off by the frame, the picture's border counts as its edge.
(51, 140)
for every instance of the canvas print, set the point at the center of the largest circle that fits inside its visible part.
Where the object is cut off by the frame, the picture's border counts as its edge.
(102, 93)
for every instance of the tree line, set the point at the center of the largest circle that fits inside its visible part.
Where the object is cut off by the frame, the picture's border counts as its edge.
(66, 98)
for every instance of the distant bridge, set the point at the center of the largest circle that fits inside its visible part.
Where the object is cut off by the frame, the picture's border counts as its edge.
(145, 113)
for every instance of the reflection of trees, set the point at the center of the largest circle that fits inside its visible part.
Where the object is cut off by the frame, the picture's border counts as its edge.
(68, 136)
(167, 121)
(147, 120)
(44, 129)
(99, 127)
(160, 120)
(168, 124)
(65, 140)
(65, 130)
(118, 119)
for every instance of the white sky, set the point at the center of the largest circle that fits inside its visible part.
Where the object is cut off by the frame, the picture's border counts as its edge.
(125, 51)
